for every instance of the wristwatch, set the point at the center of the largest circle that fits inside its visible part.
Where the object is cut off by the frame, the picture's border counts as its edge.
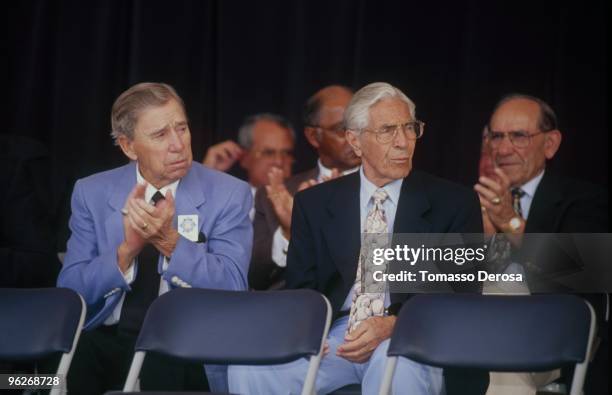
(393, 309)
(514, 224)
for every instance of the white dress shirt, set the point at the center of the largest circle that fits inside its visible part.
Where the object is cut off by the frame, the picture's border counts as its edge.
(529, 188)
(129, 274)
(252, 210)
(279, 242)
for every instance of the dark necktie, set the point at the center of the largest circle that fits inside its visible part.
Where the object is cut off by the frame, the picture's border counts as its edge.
(145, 287)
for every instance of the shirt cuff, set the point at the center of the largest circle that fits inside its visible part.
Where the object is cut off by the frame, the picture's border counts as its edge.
(279, 248)
(128, 276)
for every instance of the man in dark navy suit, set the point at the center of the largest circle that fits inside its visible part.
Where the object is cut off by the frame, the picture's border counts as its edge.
(522, 196)
(385, 196)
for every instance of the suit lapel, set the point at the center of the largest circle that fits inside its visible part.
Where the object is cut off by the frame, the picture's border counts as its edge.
(343, 229)
(544, 206)
(123, 187)
(190, 196)
(412, 205)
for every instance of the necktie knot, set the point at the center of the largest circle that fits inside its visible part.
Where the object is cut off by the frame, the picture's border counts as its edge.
(157, 196)
(517, 193)
(379, 196)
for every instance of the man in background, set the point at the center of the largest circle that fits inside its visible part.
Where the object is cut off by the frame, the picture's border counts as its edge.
(324, 130)
(265, 141)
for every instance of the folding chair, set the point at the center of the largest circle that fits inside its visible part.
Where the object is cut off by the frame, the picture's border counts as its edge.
(235, 328)
(496, 333)
(36, 323)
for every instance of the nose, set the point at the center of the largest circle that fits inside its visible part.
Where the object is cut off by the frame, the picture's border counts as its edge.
(176, 143)
(278, 159)
(401, 139)
(505, 146)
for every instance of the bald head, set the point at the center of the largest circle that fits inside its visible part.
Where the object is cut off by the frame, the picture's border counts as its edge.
(324, 127)
(329, 98)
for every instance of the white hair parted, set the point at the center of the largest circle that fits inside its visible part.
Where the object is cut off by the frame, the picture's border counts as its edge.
(357, 114)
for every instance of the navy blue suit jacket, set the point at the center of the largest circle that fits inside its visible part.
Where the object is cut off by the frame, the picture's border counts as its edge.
(326, 234)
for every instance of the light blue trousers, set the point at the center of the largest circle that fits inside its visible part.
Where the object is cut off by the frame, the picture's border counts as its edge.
(335, 372)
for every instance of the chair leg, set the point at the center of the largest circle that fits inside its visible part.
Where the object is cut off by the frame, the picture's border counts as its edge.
(385, 385)
(132, 380)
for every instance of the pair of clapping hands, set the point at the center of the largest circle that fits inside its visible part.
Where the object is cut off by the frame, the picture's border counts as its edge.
(144, 223)
(495, 201)
(282, 200)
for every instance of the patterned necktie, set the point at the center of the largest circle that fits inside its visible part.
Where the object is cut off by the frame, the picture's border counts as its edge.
(517, 194)
(499, 255)
(145, 287)
(369, 296)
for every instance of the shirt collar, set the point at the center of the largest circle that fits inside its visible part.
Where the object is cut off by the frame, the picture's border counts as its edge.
(150, 191)
(530, 186)
(326, 172)
(367, 188)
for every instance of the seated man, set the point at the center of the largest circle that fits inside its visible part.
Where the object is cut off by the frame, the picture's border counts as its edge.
(140, 230)
(385, 196)
(266, 142)
(324, 130)
(521, 195)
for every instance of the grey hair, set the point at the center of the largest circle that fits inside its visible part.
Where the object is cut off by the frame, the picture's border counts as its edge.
(130, 104)
(357, 114)
(245, 133)
(547, 120)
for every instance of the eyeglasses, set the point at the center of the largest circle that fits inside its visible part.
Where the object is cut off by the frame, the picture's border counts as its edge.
(518, 138)
(336, 130)
(413, 130)
(270, 154)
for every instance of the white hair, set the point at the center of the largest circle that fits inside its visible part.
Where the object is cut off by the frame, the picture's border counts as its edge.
(357, 114)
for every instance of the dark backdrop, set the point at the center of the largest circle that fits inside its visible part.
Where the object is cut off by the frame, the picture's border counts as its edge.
(68, 60)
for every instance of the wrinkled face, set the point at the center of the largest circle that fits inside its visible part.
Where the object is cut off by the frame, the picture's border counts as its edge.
(383, 163)
(161, 144)
(521, 164)
(272, 147)
(329, 138)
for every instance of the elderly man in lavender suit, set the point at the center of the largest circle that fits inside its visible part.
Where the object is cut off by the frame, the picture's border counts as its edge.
(142, 229)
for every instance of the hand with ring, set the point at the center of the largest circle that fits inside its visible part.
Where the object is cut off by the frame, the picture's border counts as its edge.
(495, 199)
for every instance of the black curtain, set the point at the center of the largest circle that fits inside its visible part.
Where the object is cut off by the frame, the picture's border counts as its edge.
(68, 60)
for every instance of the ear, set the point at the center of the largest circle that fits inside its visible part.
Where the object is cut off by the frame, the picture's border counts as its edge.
(245, 160)
(552, 143)
(313, 135)
(127, 146)
(353, 139)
